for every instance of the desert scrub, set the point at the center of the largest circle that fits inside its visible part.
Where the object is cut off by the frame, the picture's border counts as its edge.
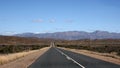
(101, 49)
(6, 49)
(4, 58)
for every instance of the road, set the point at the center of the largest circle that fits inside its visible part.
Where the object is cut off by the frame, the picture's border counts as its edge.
(59, 58)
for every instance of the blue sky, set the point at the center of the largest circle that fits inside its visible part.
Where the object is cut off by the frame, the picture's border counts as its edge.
(40, 16)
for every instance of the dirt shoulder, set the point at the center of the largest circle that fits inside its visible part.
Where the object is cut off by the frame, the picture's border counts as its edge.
(25, 61)
(102, 56)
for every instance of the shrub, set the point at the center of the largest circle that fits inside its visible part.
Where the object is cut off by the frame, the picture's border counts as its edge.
(19, 48)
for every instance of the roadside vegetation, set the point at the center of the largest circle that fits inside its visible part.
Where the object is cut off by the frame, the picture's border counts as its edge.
(6, 49)
(5, 58)
(102, 46)
(12, 48)
(12, 44)
(12, 52)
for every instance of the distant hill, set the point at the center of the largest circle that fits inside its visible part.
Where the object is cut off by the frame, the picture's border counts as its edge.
(74, 35)
(12, 40)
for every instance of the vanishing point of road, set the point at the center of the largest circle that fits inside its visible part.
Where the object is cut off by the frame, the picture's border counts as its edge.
(59, 58)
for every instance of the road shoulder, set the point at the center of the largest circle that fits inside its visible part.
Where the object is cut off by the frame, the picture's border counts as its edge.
(101, 56)
(24, 62)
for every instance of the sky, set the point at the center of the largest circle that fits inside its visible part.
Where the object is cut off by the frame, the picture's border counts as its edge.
(41, 16)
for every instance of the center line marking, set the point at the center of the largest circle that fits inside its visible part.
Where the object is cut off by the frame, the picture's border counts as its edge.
(69, 58)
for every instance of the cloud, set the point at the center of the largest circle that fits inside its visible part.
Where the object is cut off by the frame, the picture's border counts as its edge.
(69, 21)
(52, 20)
(38, 20)
(8, 33)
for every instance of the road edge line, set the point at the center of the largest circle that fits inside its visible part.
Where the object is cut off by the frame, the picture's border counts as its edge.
(70, 58)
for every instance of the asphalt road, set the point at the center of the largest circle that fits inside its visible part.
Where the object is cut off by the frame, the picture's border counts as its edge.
(59, 58)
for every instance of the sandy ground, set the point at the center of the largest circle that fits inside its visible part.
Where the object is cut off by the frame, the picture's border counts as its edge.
(25, 61)
(102, 56)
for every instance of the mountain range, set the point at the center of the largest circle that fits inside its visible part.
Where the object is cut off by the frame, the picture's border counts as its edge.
(74, 35)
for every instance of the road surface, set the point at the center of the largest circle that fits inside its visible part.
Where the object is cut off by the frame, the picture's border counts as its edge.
(59, 58)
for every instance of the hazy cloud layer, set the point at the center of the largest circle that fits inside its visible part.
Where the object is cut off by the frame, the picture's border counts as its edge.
(8, 33)
(69, 21)
(38, 20)
(52, 20)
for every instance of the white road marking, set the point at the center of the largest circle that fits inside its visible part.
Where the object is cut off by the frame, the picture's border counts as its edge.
(69, 58)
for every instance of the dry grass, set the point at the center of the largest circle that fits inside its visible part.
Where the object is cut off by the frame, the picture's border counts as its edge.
(5, 58)
(25, 61)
